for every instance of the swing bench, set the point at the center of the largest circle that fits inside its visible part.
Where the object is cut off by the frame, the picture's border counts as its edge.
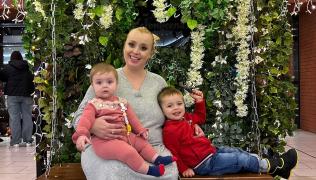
(73, 171)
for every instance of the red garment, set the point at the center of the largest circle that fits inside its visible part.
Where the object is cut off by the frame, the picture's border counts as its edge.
(132, 149)
(178, 136)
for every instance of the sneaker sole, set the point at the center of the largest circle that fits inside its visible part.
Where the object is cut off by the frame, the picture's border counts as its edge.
(295, 163)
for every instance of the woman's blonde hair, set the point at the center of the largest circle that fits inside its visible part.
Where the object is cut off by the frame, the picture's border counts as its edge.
(103, 68)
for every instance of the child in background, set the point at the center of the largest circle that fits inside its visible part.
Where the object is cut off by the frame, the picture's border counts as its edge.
(132, 148)
(197, 155)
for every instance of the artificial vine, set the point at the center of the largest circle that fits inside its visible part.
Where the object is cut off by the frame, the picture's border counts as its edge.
(90, 31)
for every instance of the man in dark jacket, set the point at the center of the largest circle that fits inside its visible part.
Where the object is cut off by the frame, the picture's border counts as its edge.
(18, 88)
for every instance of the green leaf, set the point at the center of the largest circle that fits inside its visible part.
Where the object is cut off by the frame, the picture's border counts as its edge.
(171, 11)
(98, 11)
(191, 23)
(103, 40)
(118, 14)
(79, 1)
(273, 90)
(210, 4)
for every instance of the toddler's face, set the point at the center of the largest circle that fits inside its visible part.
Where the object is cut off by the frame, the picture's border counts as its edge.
(173, 107)
(104, 85)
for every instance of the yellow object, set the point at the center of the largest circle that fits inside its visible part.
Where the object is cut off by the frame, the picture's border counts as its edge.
(128, 128)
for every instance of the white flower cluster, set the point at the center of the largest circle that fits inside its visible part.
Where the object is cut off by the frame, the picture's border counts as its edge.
(197, 54)
(78, 12)
(241, 34)
(91, 3)
(106, 18)
(160, 12)
(39, 8)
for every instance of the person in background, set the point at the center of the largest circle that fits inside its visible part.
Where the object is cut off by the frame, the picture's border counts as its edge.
(133, 147)
(197, 155)
(18, 87)
(140, 88)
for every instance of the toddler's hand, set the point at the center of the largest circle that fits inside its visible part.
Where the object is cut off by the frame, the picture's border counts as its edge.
(145, 135)
(197, 95)
(188, 173)
(81, 142)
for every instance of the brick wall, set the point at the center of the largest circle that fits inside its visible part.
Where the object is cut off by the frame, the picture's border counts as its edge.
(307, 50)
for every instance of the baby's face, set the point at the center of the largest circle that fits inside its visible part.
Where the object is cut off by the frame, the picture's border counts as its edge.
(104, 85)
(173, 107)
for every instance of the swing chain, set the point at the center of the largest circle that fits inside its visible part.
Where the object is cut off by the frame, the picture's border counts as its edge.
(53, 142)
(254, 113)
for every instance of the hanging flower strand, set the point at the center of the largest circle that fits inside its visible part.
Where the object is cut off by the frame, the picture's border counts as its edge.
(241, 33)
(39, 8)
(106, 18)
(160, 12)
(197, 53)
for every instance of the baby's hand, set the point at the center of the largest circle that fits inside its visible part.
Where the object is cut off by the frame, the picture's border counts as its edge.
(145, 135)
(81, 142)
(197, 95)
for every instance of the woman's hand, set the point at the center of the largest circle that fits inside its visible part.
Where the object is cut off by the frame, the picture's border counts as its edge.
(188, 173)
(102, 129)
(198, 131)
(81, 142)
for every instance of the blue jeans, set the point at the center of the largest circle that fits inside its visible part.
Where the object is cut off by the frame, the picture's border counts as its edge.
(20, 107)
(228, 160)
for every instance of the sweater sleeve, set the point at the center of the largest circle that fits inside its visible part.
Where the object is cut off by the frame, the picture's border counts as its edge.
(88, 96)
(137, 127)
(172, 142)
(199, 113)
(86, 121)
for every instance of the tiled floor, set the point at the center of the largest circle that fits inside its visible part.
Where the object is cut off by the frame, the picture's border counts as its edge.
(305, 143)
(19, 163)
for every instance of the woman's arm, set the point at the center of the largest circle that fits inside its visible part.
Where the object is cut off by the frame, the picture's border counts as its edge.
(100, 127)
(87, 97)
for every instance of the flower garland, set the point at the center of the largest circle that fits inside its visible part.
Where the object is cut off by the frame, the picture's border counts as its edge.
(160, 12)
(197, 53)
(241, 33)
(106, 18)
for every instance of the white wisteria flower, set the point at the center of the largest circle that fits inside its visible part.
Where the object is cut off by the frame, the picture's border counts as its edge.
(106, 18)
(197, 54)
(241, 32)
(39, 8)
(188, 100)
(218, 103)
(78, 12)
(91, 3)
(160, 12)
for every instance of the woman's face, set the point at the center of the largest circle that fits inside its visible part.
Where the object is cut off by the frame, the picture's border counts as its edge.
(138, 49)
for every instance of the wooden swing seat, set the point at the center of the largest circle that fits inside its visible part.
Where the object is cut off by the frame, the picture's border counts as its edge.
(73, 171)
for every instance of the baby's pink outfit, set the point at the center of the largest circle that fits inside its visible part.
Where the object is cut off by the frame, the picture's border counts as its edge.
(132, 149)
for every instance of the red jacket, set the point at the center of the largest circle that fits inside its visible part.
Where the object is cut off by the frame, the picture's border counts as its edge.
(178, 136)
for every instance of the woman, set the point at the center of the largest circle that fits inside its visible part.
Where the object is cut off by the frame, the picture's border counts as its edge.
(140, 87)
(19, 87)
